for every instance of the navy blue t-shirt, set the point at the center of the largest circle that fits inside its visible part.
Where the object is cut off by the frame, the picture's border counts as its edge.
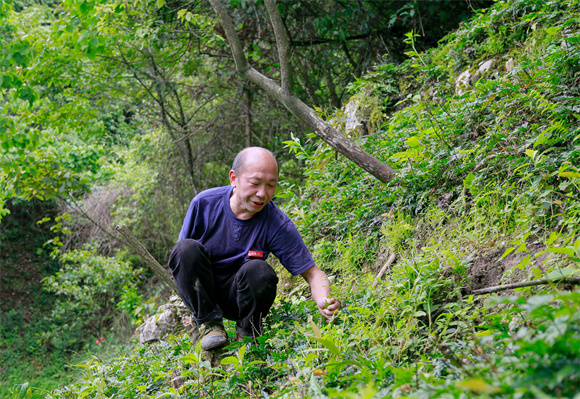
(210, 221)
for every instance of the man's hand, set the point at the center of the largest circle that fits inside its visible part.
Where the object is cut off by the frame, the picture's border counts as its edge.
(327, 306)
(320, 288)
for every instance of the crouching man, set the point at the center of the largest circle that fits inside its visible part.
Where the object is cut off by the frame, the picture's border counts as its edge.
(219, 263)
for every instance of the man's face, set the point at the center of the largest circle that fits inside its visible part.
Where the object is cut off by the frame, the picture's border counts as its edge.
(255, 186)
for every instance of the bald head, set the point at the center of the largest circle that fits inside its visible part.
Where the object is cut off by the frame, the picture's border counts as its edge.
(252, 154)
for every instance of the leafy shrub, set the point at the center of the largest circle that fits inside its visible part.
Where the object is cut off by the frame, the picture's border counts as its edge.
(88, 286)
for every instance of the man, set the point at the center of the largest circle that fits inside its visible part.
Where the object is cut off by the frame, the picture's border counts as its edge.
(219, 260)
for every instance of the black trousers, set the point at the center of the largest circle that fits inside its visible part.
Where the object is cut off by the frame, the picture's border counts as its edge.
(244, 296)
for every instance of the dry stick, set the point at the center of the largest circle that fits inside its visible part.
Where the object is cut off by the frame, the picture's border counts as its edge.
(159, 270)
(488, 290)
(213, 356)
(384, 269)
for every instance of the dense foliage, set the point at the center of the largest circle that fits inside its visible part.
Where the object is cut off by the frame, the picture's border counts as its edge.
(484, 131)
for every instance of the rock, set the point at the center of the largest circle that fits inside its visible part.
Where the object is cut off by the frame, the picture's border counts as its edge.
(465, 79)
(485, 66)
(510, 65)
(353, 125)
(462, 81)
(158, 325)
(148, 331)
(169, 319)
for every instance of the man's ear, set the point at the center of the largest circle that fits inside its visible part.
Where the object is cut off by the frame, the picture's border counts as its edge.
(233, 178)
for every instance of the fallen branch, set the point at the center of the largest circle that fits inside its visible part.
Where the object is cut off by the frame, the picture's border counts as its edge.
(384, 269)
(159, 270)
(489, 290)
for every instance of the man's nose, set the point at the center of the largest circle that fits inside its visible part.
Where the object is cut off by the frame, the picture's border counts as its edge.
(261, 192)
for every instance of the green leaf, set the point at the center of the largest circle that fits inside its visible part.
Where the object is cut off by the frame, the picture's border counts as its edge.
(523, 263)
(569, 174)
(413, 142)
(521, 248)
(221, 41)
(553, 30)
(531, 153)
(402, 375)
(230, 360)
(190, 358)
(468, 181)
(477, 385)
(565, 272)
(255, 362)
(242, 353)
(316, 330)
(328, 344)
(160, 3)
(507, 252)
(23, 389)
(561, 250)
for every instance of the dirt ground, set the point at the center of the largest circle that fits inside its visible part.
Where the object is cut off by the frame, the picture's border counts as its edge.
(488, 269)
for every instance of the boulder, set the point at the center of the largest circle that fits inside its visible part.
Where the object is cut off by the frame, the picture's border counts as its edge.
(510, 65)
(485, 66)
(352, 124)
(462, 81)
(170, 319)
(466, 79)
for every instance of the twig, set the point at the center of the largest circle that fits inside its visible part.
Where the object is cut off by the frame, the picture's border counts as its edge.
(566, 280)
(384, 269)
(159, 270)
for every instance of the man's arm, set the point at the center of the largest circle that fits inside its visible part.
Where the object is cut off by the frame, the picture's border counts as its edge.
(320, 289)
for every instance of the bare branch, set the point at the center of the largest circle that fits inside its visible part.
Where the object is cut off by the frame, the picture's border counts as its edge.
(497, 288)
(388, 263)
(319, 40)
(130, 240)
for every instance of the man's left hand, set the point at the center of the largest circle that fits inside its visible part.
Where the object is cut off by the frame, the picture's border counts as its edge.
(328, 306)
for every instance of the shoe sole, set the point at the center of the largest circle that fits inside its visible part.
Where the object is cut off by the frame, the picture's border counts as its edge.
(213, 344)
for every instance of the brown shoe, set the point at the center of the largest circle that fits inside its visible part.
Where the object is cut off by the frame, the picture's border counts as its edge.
(213, 335)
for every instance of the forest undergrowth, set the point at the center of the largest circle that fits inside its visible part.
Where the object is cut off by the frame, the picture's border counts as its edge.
(487, 193)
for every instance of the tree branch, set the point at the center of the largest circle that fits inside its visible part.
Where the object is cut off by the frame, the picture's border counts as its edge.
(283, 47)
(320, 40)
(235, 45)
(497, 288)
(388, 263)
(159, 270)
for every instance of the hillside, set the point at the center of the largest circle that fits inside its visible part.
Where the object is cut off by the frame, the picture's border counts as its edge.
(484, 131)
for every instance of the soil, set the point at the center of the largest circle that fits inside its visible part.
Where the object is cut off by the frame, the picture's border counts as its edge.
(488, 269)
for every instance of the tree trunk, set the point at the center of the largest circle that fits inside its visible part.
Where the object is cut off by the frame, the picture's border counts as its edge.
(248, 103)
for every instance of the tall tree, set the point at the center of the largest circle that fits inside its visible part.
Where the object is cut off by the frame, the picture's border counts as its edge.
(285, 93)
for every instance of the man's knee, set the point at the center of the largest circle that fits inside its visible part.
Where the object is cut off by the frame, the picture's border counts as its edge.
(258, 275)
(186, 252)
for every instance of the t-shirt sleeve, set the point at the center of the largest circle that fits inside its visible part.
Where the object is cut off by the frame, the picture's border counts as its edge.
(189, 221)
(288, 246)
